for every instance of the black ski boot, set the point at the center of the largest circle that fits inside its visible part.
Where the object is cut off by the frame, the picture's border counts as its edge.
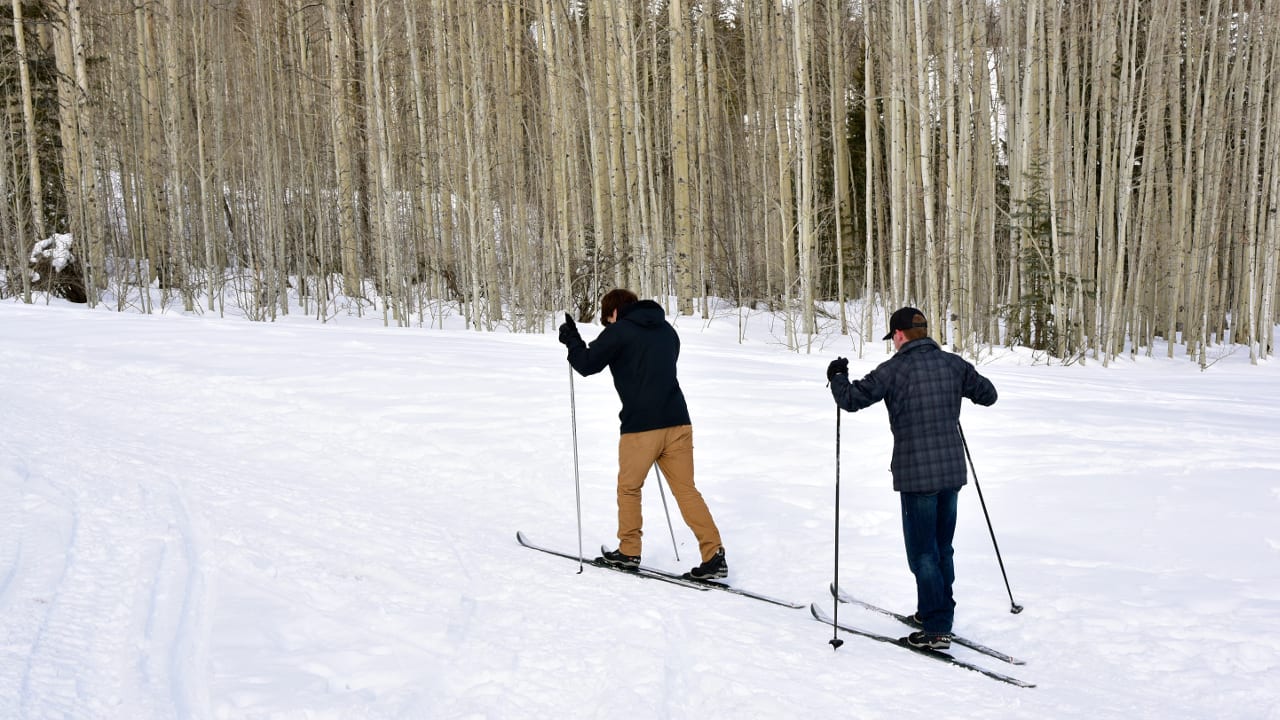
(618, 560)
(929, 641)
(712, 569)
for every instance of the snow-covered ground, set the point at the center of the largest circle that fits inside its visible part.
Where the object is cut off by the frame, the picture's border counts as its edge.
(204, 518)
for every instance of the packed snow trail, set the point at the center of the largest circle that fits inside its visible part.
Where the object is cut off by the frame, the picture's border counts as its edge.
(207, 518)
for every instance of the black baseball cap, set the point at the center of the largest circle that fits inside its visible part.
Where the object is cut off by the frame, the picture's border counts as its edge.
(905, 319)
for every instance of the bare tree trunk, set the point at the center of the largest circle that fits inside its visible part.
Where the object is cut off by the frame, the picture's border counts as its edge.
(557, 227)
(801, 34)
(680, 31)
(175, 228)
(842, 196)
(599, 142)
(12, 223)
(79, 179)
(872, 210)
(785, 197)
(34, 183)
(378, 159)
(926, 155)
(342, 128)
(708, 122)
(657, 229)
(900, 156)
(1270, 241)
(199, 36)
(627, 163)
(1248, 327)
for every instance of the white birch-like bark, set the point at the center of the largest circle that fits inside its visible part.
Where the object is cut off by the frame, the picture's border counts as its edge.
(342, 130)
(801, 34)
(35, 186)
(680, 31)
(925, 154)
(80, 180)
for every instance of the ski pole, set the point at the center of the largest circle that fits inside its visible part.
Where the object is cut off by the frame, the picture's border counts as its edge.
(670, 527)
(1014, 607)
(577, 486)
(835, 641)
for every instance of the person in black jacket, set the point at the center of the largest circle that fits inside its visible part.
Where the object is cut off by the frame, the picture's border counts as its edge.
(922, 387)
(640, 348)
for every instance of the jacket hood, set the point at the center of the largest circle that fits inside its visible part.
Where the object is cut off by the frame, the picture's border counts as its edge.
(645, 313)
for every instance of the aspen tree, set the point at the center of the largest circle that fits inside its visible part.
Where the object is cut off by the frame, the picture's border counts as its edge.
(1128, 117)
(12, 253)
(874, 223)
(898, 159)
(958, 174)
(707, 83)
(555, 115)
(152, 179)
(842, 193)
(680, 30)
(125, 219)
(656, 278)
(761, 97)
(1209, 145)
(1066, 201)
(925, 154)
(377, 158)
(420, 214)
(443, 151)
(599, 141)
(783, 118)
(522, 247)
(642, 86)
(1247, 325)
(627, 149)
(338, 16)
(452, 85)
(201, 72)
(609, 39)
(984, 263)
(1182, 177)
(801, 34)
(34, 185)
(79, 181)
(1152, 206)
(1059, 262)
(748, 230)
(171, 123)
(1270, 222)
(485, 200)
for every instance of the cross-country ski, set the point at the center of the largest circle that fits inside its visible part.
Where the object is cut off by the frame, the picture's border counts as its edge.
(845, 597)
(821, 616)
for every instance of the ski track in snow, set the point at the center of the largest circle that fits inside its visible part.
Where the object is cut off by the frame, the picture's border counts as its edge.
(225, 520)
(118, 553)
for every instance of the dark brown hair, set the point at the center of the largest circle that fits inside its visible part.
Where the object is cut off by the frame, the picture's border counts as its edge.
(614, 300)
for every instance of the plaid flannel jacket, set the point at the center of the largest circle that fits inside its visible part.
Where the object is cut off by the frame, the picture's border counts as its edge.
(921, 386)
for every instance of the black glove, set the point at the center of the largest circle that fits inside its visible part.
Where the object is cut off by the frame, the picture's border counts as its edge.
(839, 366)
(569, 332)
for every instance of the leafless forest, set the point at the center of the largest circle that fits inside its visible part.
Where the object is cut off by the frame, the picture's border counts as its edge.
(1066, 175)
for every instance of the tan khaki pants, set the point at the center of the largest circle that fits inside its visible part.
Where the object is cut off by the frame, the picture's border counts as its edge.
(672, 449)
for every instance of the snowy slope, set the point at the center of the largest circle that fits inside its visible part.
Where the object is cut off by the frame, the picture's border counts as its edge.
(205, 518)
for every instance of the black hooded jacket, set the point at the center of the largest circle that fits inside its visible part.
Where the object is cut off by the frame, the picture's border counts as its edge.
(641, 350)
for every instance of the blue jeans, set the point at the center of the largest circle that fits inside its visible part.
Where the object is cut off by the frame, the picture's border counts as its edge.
(928, 526)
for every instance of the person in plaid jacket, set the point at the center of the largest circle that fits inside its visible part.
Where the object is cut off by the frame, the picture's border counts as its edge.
(922, 387)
